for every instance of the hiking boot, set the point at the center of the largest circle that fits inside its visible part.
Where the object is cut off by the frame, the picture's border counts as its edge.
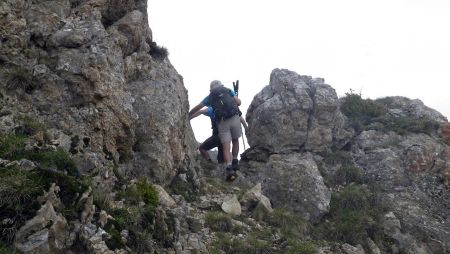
(235, 164)
(231, 174)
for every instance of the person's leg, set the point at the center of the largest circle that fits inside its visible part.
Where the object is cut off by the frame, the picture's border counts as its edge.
(226, 153)
(207, 145)
(236, 133)
(220, 158)
(235, 148)
(225, 138)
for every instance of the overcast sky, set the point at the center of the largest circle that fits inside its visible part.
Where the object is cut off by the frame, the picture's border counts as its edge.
(378, 47)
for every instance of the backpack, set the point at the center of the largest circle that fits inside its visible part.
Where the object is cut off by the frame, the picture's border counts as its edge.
(223, 103)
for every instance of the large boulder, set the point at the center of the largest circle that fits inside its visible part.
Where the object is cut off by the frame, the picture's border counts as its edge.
(293, 182)
(295, 113)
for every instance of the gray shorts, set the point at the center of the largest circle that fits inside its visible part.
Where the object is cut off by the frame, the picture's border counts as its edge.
(230, 129)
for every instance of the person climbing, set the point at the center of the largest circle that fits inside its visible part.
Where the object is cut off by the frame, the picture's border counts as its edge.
(226, 109)
(214, 140)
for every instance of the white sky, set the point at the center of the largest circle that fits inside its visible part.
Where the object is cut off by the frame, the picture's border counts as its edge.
(378, 47)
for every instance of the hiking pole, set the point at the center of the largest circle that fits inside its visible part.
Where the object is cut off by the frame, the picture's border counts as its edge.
(243, 141)
(236, 87)
(236, 91)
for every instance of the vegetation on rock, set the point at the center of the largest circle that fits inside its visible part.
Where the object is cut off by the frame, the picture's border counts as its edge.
(367, 114)
(355, 215)
(20, 189)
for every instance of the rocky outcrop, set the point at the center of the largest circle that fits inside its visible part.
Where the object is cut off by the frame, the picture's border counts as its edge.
(47, 232)
(292, 182)
(88, 70)
(296, 113)
(409, 170)
(405, 107)
(86, 77)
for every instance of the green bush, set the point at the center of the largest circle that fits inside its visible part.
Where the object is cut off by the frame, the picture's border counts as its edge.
(347, 174)
(58, 159)
(368, 114)
(30, 126)
(219, 222)
(185, 189)
(403, 125)
(12, 147)
(287, 223)
(232, 245)
(19, 191)
(361, 111)
(7, 249)
(137, 219)
(301, 247)
(354, 216)
(338, 157)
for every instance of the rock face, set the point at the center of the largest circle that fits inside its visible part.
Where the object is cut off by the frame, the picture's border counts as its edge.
(408, 169)
(88, 74)
(91, 73)
(295, 113)
(293, 182)
(47, 232)
(296, 121)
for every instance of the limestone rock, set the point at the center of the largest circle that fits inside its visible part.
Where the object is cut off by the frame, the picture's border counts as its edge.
(409, 171)
(293, 182)
(93, 81)
(373, 248)
(254, 197)
(164, 198)
(232, 206)
(405, 107)
(45, 233)
(296, 112)
(349, 249)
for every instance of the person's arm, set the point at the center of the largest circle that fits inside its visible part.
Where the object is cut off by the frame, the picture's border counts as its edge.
(195, 110)
(237, 100)
(200, 112)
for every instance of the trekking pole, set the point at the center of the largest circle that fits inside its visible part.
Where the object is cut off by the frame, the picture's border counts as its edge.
(243, 141)
(236, 91)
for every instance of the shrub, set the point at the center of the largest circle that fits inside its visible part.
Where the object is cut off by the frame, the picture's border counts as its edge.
(403, 125)
(158, 52)
(301, 247)
(137, 219)
(185, 188)
(289, 224)
(347, 174)
(29, 126)
(58, 159)
(12, 147)
(248, 245)
(21, 78)
(338, 157)
(355, 214)
(19, 191)
(219, 222)
(7, 250)
(360, 111)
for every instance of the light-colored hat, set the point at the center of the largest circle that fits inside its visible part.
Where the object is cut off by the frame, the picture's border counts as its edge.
(215, 84)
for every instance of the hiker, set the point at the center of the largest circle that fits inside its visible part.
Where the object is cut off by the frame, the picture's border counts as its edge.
(214, 140)
(225, 104)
